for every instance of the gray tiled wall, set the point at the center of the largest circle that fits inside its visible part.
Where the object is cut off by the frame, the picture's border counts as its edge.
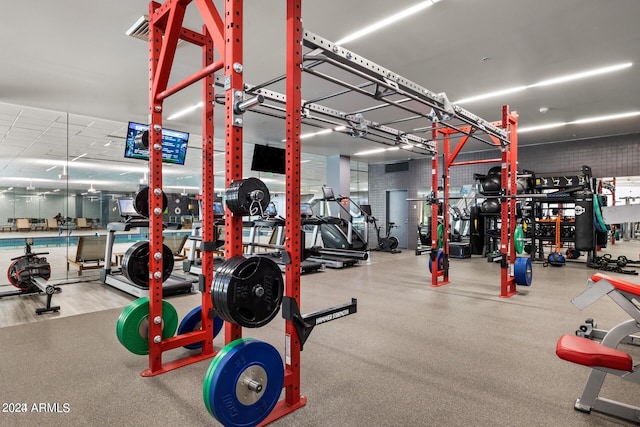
(609, 156)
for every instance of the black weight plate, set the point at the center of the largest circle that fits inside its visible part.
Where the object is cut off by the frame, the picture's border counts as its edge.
(141, 202)
(247, 291)
(135, 263)
(247, 197)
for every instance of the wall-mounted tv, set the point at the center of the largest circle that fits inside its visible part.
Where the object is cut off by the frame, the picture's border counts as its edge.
(174, 144)
(218, 209)
(268, 159)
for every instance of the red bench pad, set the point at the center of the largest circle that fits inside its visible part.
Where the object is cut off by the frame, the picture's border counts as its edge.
(619, 284)
(585, 352)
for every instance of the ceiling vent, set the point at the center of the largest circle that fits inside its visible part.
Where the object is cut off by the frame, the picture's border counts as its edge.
(140, 30)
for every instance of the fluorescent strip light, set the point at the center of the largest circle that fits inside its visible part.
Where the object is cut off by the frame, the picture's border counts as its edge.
(548, 82)
(541, 127)
(582, 74)
(79, 157)
(185, 111)
(580, 121)
(387, 21)
(492, 94)
(51, 168)
(603, 118)
(367, 152)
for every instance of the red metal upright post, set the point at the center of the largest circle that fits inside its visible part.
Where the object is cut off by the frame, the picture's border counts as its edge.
(508, 207)
(233, 67)
(293, 240)
(165, 28)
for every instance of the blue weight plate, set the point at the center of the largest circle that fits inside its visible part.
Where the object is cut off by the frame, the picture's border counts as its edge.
(192, 322)
(243, 385)
(523, 271)
(440, 261)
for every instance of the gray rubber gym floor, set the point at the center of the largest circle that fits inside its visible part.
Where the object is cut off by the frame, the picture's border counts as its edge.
(413, 355)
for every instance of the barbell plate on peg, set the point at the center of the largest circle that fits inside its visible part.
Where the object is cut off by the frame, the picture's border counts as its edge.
(193, 322)
(523, 271)
(243, 382)
(440, 259)
(132, 327)
(247, 197)
(518, 239)
(135, 263)
(247, 291)
(141, 202)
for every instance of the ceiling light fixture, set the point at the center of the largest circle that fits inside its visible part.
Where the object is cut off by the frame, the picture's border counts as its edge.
(548, 82)
(367, 152)
(51, 168)
(582, 74)
(580, 121)
(185, 111)
(79, 157)
(91, 189)
(387, 21)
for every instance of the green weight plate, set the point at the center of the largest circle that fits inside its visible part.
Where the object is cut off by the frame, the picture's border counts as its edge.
(133, 325)
(518, 239)
(206, 387)
(440, 236)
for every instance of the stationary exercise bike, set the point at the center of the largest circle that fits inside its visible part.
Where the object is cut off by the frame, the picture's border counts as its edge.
(386, 243)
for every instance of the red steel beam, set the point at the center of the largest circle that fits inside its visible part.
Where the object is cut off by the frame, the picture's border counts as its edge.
(293, 239)
(197, 76)
(213, 22)
(233, 34)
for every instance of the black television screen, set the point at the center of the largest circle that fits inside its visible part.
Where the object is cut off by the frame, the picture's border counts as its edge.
(268, 159)
(126, 208)
(174, 144)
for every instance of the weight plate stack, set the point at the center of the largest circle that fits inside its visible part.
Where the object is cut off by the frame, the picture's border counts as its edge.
(132, 327)
(135, 263)
(247, 197)
(243, 382)
(193, 322)
(247, 291)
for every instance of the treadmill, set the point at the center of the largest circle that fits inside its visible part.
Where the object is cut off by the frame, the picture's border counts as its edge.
(114, 277)
(335, 252)
(193, 264)
(277, 225)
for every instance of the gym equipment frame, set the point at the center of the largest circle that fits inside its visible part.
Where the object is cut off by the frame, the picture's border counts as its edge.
(225, 33)
(604, 358)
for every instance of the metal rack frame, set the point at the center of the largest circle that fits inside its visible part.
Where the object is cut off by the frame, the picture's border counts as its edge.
(224, 33)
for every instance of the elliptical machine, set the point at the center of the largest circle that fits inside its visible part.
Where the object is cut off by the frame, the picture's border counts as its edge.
(386, 243)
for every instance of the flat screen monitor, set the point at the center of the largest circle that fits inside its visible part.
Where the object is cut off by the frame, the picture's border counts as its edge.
(174, 144)
(327, 193)
(268, 159)
(126, 208)
(305, 209)
(218, 209)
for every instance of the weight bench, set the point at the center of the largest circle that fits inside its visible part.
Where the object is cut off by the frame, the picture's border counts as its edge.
(90, 253)
(604, 358)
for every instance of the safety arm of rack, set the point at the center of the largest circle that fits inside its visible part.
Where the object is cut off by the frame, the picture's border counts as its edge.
(594, 291)
(304, 324)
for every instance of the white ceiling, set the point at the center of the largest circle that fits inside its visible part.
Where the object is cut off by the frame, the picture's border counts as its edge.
(72, 78)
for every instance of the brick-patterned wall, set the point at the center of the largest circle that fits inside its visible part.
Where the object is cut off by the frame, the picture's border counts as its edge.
(608, 156)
